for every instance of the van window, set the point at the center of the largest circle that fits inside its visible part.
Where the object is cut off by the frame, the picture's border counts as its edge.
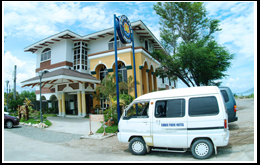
(225, 95)
(202, 106)
(170, 108)
(143, 110)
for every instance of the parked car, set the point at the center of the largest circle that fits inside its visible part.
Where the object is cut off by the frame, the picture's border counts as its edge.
(176, 120)
(10, 121)
(230, 103)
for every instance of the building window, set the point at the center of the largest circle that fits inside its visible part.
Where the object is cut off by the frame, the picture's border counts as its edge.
(112, 46)
(80, 56)
(146, 45)
(46, 54)
(123, 71)
(102, 73)
(103, 103)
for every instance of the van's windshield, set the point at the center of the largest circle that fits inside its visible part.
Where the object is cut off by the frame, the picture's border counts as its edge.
(138, 110)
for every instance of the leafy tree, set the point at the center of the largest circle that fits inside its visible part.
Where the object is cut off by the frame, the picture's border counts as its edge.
(27, 102)
(205, 62)
(107, 88)
(127, 87)
(180, 20)
(29, 95)
(19, 98)
(197, 58)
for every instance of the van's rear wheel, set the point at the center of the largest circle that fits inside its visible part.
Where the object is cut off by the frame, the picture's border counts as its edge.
(202, 149)
(137, 146)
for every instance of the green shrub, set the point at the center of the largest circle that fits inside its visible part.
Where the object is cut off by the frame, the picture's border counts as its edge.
(108, 113)
(22, 119)
(250, 96)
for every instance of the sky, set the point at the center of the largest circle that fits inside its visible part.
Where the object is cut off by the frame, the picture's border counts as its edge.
(27, 22)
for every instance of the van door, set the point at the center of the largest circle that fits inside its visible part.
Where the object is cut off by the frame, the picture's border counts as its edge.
(169, 123)
(137, 124)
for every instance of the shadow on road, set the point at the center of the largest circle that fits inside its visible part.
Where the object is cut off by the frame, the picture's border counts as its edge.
(233, 126)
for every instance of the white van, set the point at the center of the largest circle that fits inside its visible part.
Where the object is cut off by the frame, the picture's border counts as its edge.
(176, 120)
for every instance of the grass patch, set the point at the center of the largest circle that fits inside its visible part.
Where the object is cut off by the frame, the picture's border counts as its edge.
(31, 120)
(47, 122)
(36, 121)
(112, 129)
(49, 115)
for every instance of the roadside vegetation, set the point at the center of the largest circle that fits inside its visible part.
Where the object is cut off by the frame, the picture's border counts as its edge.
(108, 129)
(244, 97)
(107, 91)
(26, 98)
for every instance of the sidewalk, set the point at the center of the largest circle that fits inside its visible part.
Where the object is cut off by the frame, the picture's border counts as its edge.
(76, 125)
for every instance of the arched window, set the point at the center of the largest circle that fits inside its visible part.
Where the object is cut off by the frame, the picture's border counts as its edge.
(123, 71)
(46, 54)
(102, 73)
(112, 46)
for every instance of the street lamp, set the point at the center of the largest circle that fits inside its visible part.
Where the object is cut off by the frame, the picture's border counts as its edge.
(40, 75)
(7, 82)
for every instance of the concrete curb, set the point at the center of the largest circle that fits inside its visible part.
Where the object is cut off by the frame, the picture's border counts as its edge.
(97, 136)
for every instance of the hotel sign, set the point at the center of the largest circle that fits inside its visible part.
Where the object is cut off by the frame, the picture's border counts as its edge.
(123, 28)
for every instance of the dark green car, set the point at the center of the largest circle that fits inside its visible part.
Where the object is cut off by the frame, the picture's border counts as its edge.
(230, 103)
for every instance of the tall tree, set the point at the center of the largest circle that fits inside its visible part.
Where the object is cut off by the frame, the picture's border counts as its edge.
(187, 34)
(180, 20)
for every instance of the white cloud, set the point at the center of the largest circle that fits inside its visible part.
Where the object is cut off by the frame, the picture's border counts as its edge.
(237, 31)
(234, 83)
(95, 18)
(214, 7)
(37, 19)
(25, 69)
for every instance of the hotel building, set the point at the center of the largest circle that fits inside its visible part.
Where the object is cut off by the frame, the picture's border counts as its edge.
(77, 64)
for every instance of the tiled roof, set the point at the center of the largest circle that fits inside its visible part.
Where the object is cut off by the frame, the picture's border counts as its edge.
(64, 71)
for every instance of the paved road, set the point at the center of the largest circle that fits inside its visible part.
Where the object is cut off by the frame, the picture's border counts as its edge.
(52, 146)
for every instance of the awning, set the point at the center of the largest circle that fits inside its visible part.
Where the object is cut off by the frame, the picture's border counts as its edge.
(60, 76)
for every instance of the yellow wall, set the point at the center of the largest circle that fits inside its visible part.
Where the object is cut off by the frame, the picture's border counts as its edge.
(141, 75)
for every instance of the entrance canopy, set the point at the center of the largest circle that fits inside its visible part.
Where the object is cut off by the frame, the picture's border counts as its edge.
(60, 77)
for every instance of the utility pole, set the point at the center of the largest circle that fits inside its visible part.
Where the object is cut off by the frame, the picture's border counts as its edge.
(7, 82)
(14, 82)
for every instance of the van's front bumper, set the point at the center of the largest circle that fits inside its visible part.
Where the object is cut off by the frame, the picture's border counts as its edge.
(123, 137)
(118, 136)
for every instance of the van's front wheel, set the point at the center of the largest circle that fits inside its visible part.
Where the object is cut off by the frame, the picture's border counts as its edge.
(137, 146)
(202, 149)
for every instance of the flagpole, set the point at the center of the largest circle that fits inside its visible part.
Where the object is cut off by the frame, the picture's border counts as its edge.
(116, 67)
(133, 48)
